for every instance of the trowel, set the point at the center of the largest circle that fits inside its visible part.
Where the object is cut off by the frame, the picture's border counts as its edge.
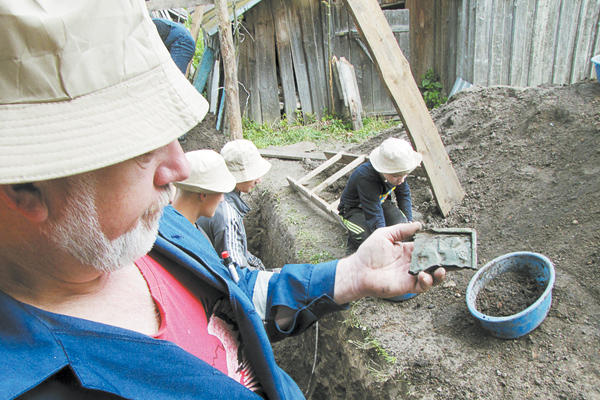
(451, 248)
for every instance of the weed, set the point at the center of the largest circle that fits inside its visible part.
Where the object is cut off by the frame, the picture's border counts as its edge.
(431, 89)
(308, 128)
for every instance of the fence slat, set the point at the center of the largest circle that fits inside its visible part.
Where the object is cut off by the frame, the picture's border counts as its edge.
(585, 40)
(482, 40)
(284, 56)
(311, 42)
(565, 43)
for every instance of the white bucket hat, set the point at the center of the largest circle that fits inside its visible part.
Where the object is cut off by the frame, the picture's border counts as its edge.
(395, 156)
(244, 160)
(208, 173)
(85, 84)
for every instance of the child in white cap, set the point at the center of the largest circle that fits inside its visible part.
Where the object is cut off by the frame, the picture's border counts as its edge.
(366, 203)
(226, 229)
(202, 192)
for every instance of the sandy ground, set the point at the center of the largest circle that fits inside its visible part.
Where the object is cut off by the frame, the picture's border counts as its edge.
(529, 162)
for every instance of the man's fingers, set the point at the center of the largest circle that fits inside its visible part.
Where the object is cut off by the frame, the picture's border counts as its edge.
(400, 232)
(425, 281)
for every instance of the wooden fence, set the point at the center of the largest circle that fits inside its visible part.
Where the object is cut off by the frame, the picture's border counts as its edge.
(506, 42)
(284, 59)
(287, 44)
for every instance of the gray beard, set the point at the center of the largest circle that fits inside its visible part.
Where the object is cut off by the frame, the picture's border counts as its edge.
(79, 233)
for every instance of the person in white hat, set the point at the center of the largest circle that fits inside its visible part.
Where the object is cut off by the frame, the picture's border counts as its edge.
(366, 203)
(226, 229)
(94, 304)
(202, 192)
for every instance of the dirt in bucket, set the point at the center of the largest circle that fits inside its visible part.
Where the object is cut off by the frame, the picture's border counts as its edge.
(509, 293)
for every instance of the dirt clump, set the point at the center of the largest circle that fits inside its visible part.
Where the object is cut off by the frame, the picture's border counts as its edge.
(507, 294)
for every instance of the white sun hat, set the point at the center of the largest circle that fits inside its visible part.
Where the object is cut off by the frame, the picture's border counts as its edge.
(395, 156)
(244, 160)
(85, 84)
(208, 173)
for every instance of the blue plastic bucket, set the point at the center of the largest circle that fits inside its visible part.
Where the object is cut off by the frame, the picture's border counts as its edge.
(596, 62)
(516, 325)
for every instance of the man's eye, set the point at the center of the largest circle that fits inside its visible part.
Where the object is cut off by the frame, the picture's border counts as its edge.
(144, 159)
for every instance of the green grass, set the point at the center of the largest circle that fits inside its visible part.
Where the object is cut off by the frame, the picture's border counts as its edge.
(312, 130)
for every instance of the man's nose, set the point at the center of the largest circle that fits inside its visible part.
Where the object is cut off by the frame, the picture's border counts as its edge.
(174, 167)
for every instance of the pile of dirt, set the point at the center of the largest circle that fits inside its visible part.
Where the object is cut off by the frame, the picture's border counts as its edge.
(529, 162)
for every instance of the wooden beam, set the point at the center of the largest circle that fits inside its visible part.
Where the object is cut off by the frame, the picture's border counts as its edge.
(316, 200)
(321, 168)
(395, 72)
(165, 4)
(232, 99)
(287, 155)
(338, 174)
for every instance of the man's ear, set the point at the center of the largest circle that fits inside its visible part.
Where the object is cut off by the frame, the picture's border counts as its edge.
(26, 199)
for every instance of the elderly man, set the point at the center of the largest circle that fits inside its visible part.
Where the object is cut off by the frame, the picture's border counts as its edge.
(90, 108)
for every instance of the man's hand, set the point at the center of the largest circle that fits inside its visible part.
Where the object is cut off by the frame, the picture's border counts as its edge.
(379, 267)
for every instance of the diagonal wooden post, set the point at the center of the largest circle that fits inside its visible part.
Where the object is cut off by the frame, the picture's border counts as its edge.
(232, 101)
(397, 77)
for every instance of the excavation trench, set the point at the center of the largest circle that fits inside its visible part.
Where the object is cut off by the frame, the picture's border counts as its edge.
(338, 359)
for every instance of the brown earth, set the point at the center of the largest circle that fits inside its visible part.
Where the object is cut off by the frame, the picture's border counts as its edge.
(529, 162)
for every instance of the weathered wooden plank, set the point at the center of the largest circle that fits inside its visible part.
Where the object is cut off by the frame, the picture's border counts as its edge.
(538, 48)
(284, 56)
(351, 95)
(499, 40)
(472, 10)
(588, 29)
(266, 64)
(298, 57)
(595, 52)
(481, 56)
(254, 106)
(213, 98)
(395, 72)
(445, 37)
(165, 4)
(343, 171)
(462, 42)
(311, 42)
(316, 200)
(306, 178)
(288, 155)
(521, 41)
(230, 80)
(565, 42)
(363, 70)
(448, 75)
(327, 34)
(422, 35)
(399, 21)
(551, 33)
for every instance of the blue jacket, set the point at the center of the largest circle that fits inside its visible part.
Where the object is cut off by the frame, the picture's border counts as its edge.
(367, 189)
(53, 356)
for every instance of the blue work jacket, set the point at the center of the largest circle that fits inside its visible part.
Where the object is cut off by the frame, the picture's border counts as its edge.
(51, 356)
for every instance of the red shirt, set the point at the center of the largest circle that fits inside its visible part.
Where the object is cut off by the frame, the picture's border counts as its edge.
(185, 322)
